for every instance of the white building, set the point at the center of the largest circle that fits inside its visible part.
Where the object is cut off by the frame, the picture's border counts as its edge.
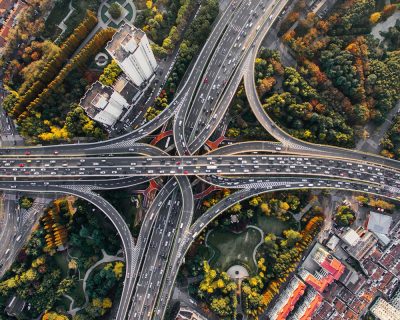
(380, 224)
(105, 104)
(383, 310)
(131, 49)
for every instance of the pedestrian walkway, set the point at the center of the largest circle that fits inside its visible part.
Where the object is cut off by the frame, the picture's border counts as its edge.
(106, 259)
(128, 14)
(62, 24)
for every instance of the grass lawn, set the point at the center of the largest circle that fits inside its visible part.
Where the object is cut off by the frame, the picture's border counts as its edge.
(129, 16)
(77, 294)
(62, 261)
(81, 6)
(58, 13)
(271, 224)
(231, 248)
(63, 303)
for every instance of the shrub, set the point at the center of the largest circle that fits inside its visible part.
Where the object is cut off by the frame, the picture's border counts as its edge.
(115, 10)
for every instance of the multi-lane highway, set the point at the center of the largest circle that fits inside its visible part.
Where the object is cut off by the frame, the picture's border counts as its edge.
(197, 110)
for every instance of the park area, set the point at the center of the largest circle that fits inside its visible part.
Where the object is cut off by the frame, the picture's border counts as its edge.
(271, 225)
(230, 248)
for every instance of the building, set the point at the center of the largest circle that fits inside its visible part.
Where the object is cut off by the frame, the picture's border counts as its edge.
(331, 269)
(131, 49)
(332, 242)
(9, 11)
(186, 313)
(395, 299)
(383, 310)
(106, 104)
(312, 300)
(359, 242)
(380, 224)
(287, 299)
(329, 263)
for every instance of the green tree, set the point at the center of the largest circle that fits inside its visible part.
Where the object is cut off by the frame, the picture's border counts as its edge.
(115, 10)
(292, 237)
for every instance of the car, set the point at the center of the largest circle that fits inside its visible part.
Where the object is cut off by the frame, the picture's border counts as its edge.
(178, 163)
(27, 153)
(185, 172)
(205, 80)
(56, 152)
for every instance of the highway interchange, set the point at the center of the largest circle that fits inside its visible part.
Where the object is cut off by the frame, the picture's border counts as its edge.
(198, 108)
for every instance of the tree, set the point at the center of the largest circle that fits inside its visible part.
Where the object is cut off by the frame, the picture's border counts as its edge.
(270, 242)
(265, 209)
(388, 10)
(344, 216)
(236, 208)
(54, 316)
(115, 10)
(266, 85)
(375, 17)
(233, 132)
(25, 202)
(292, 237)
(110, 73)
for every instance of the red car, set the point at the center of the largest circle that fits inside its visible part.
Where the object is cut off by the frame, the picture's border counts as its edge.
(21, 165)
(205, 80)
(27, 153)
(185, 172)
(178, 163)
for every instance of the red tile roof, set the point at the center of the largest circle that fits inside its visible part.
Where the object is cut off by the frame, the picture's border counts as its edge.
(319, 284)
(340, 306)
(315, 303)
(334, 267)
(6, 4)
(350, 315)
(295, 296)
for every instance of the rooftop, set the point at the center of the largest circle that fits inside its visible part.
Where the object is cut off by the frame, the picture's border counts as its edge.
(287, 299)
(359, 242)
(383, 310)
(96, 98)
(126, 88)
(379, 223)
(124, 42)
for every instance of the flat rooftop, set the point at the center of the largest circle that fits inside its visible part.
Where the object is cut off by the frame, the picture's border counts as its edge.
(122, 43)
(126, 88)
(95, 97)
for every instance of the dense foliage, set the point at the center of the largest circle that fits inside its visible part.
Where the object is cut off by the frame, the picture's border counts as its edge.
(48, 72)
(38, 276)
(114, 10)
(243, 124)
(218, 290)
(110, 73)
(165, 27)
(344, 216)
(391, 142)
(343, 78)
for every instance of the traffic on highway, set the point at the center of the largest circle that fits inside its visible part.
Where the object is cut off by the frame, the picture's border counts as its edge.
(168, 229)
